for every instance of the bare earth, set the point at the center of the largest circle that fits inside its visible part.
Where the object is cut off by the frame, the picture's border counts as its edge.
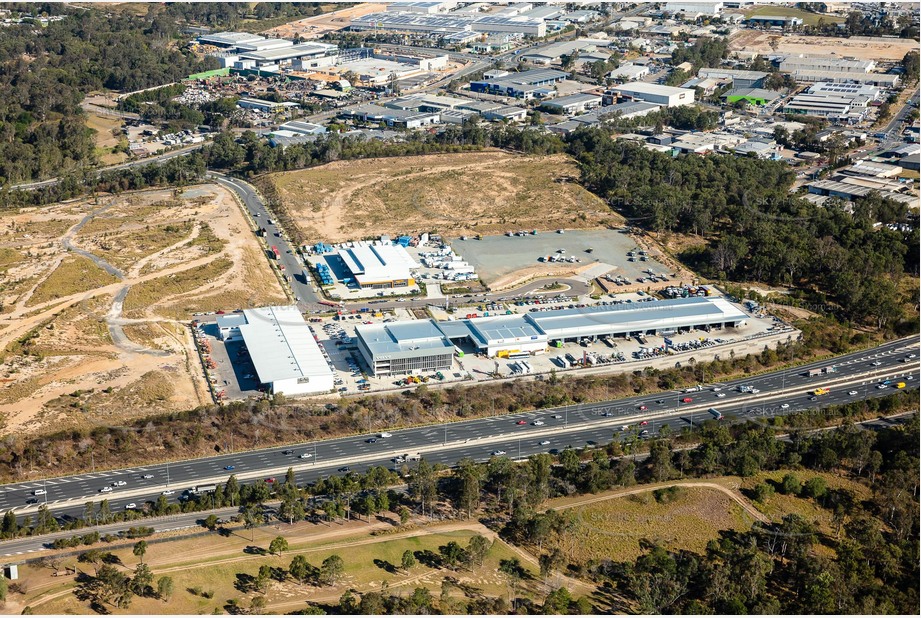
(863, 48)
(486, 192)
(69, 356)
(315, 27)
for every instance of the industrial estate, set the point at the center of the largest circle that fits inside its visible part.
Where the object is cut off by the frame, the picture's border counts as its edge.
(459, 307)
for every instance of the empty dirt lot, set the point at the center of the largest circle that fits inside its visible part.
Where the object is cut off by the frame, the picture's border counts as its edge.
(315, 27)
(484, 192)
(95, 296)
(863, 48)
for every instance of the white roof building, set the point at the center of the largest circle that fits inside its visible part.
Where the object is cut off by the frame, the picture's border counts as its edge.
(379, 265)
(284, 352)
(654, 93)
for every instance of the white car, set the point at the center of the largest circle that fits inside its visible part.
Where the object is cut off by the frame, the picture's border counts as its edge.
(544, 442)
(386, 435)
(39, 492)
(168, 492)
(119, 484)
(852, 393)
(876, 363)
(717, 389)
(880, 386)
(557, 416)
(720, 395)
(306, 456)
(498, 453)
(784, 406)
(147, 476)
(105, 490)
(537, 423)
(131, 505)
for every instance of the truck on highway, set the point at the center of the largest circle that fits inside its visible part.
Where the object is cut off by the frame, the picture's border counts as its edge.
(716, 414)
(412, 457)
(822, 371)
(201, 489)
(820, 391)
(694, 389)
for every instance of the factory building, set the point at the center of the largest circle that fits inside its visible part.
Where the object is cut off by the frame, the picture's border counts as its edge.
(378, 266)
(524, 85)
(229, 40)
(740, 79)
(263, 105)
(629, 72)
(791, 64)
(666, 96)
(400, 118)
(448, 23)
(774, 21)
(404, 347)
(284, 54)
(839, 108)
(754, 96)
(572, 104)
(284, 351)
(883, 80)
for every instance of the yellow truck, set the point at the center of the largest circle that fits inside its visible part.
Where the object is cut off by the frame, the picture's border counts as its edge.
(900, 385)
(820, 391)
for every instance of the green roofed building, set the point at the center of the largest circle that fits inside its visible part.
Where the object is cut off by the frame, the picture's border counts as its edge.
(754, 96)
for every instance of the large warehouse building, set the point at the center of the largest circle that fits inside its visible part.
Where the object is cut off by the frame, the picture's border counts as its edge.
(405, 347)
(379, 265)
(654, 93)
(284, 352)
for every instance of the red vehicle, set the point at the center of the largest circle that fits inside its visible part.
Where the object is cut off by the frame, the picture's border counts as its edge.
(271, 479)
(522, 423)
(642, 407)
(643, 423)
(687, 400)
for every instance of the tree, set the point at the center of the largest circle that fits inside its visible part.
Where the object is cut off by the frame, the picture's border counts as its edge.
(404, 515)
(278, 545)
(211, 522)
(257, 605)
(331, 570)
(142, 582)
(263, 577)
(300, 569)
(790, 485)
(477, 549)
(408, 561)
(140, 548)
(452, 554)
(557, 602)
(165, 588)
(816, 487)
(252, 519)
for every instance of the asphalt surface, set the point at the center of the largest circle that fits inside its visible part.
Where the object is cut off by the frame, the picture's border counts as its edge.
(577, 426)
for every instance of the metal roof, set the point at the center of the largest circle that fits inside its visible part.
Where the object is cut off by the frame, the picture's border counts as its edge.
(402, 337)
(501, 328)
(644, 88)
(281, 345)
(677, 313)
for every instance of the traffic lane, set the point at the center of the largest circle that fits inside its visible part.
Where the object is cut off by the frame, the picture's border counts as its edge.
(427, 436)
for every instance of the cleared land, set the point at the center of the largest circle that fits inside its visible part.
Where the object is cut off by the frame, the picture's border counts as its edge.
(72, 354)
(317, 26)
(105, 139)
(483, 192)
(220, 564)
(864, 48)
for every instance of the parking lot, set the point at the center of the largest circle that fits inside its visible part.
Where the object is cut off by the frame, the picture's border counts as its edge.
(497, 256)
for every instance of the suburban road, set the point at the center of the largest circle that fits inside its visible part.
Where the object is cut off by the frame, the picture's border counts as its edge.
(516, 435)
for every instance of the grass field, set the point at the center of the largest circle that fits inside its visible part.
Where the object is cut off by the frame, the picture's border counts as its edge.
(126, 248)
(809, 19)
(75, 274)
(216, 565)
(485, 192)
(104, 137)
(614, 528)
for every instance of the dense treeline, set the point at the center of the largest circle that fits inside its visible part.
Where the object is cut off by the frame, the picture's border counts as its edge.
(46, 72)
(758, 231)
(705, 52)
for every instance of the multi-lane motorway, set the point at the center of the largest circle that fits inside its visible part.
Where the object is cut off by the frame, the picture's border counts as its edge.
(517, 435)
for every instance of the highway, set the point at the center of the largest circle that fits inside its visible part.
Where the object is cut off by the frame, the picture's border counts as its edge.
(516, 434)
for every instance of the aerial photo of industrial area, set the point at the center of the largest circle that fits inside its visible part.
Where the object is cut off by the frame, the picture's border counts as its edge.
(457, 307)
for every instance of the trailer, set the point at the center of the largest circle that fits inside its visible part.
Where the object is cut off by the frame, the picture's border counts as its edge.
(717, 415)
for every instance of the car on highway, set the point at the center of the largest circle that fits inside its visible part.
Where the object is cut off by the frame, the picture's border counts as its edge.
(522, 423)
(39, 492)
(105, 490)
(717, 389)
(371, 440)
(498, 453)
(386, 435)
(557, 416)
(660, 401)
(131, 505)
(306, 456)
(538, 423)
(229, 467)
(852, 393)
(167, 492)
(644, 433)
(784, 406)
(687, 399)
(882, 386)
(119, 483)
(544, 442)
(643, 423)
(344, 469)
(876, 363)
(813, 398)
(271, 479)
(287, 452)
(147, 476)
(720, 395)
(642, 407)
